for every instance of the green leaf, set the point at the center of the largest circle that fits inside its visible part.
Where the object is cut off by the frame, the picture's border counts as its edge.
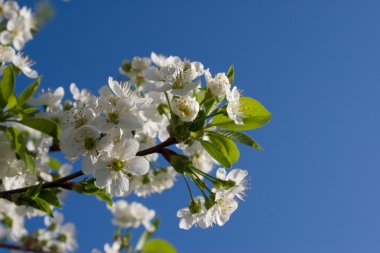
(34, 191)
(158, 246)
(18, 143)
(105, 196)
(54, 163)
(228, 147)
(216, 153)
(42, 205)
(28, 92)
(200, 96)
(50, 196)
(255, 115)
(221, 149)
(238, 137)
(90, 188)
(198, 123)
(231, 74)
(43, 125)
(7, 86)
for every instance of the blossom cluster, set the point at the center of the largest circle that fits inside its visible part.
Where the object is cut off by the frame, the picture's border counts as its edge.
(55, 237)
(18, 27)
(165, 119)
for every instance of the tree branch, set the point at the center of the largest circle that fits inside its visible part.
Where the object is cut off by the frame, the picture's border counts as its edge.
(21, 248)
(63, 182)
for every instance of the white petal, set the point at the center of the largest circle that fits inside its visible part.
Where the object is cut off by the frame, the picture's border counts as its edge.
(129, 148)
(137, 166)
(120, 185)
(115, 87)
(103, 177)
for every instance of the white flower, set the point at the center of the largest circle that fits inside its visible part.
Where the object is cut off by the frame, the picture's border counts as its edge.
(58, 235)
(49, 98)
(186, 108)
(178, 77)
(233, 107)
(132, 215)
(217, 85)
(113, 171)
(162, 61)
(82, 141)
(8, 159)
(155, 181)
(77, 117)
(188, 218)
(24, 63)
(224, 206)
(140, 63)
(8, 10)
(114, 248)
(6, 53)
(239, 177)
(81, 97)
(118, 112)
(123, 90)
(12, 218)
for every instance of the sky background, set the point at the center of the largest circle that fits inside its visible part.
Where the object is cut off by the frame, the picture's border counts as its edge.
(313, 64)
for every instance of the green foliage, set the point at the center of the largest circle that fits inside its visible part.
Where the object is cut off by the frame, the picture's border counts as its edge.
(28, 92)
(18, 143)
(221, 149)
(54, 163)
(50, 196)
(41, 199)
(7, 85)
(255, 115)
(237, 136)
(198, 123)
(89, 188)
(43, 125)
(231, 74)
(158, 246)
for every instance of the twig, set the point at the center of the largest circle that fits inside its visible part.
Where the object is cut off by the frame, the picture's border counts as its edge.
(63, 182)
(21, 248)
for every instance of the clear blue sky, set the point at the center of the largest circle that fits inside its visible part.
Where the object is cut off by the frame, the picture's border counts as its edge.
(313, 64)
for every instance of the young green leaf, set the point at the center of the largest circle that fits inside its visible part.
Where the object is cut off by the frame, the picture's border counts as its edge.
(54, 163)
(216, 153)
(50, 196)
(158, 246)
(237, 136)
(43, 125)
(231, 74)
(221, 149)
(255, 115)
(7, 86)
(42, 205)
(227, 146)
(28, 92)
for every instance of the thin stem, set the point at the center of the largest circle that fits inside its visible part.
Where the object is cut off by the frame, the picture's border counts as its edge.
(206, 175)
(21, 248)
(200, 188)
(188, 188)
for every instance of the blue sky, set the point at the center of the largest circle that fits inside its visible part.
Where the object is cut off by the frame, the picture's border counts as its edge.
(313, 64)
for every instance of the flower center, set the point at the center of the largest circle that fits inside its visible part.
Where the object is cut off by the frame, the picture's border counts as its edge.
(113, 117)
(117, 165)
(89, 143)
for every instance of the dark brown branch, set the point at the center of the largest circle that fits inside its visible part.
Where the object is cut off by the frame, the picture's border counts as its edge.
(157, 148)
(63, 182)
(21, 248)
(54, 184)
